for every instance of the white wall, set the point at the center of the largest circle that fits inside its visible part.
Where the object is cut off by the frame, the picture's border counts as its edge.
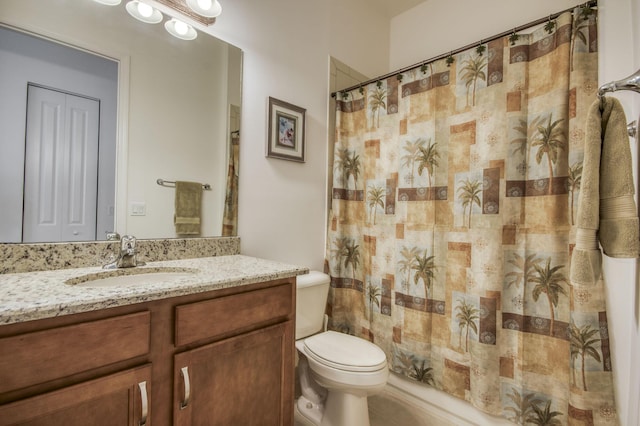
(287, 44)
(619, 38)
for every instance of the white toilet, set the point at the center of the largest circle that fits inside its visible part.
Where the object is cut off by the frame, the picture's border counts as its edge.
(337, 371)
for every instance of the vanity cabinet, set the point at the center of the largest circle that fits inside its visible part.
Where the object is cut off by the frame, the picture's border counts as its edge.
(221, 357)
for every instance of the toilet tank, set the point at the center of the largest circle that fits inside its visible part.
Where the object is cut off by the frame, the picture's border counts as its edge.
(311, 298)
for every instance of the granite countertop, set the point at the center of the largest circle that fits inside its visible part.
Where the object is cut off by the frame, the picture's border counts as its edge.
(43, 294)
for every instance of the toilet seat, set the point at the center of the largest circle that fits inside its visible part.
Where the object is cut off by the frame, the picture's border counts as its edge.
(345, 352)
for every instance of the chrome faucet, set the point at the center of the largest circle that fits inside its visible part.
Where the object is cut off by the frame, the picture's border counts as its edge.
(126, 257)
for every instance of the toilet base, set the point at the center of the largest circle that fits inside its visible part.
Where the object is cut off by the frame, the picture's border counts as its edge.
(312, 413)
(299, 419)
(342, 409)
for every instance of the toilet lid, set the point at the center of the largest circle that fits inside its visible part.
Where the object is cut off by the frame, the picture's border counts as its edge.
(345, 352)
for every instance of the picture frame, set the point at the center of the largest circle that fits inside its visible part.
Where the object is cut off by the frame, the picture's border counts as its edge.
(286, 139)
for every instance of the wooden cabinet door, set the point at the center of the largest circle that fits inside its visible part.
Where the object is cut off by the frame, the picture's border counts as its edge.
(118, 399)
(244, 380)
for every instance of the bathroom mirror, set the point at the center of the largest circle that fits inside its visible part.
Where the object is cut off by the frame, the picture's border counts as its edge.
(175, 110)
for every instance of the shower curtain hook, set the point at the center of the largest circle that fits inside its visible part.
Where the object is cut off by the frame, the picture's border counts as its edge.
(549, 26)
(450, 59)
(514, 37)
(423, 67)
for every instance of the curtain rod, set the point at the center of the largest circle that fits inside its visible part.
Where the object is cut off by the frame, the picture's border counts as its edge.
(591, 3)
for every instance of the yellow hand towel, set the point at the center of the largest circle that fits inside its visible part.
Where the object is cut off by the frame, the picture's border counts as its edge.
(606, 210)
(188, 206)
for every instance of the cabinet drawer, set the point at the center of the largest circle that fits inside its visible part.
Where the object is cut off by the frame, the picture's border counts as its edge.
(235, 313)
(38, 357)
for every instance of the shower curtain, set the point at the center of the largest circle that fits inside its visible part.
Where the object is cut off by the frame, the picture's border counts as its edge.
(455, 189)
(230, 218)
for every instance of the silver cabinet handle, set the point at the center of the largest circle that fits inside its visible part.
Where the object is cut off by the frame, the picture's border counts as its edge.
(145, 403)
(187, 387)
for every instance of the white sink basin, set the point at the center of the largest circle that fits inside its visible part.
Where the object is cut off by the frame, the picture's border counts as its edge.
(131, 277)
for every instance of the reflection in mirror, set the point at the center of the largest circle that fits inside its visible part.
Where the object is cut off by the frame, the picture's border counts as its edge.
(58, 157)
(164, 109)
(230, 221)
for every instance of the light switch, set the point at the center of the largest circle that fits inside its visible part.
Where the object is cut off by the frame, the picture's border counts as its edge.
(138, 209)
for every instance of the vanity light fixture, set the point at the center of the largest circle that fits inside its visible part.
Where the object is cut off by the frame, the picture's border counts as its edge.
(207, 8)
(109, 2)
(180, 29)
(143, 12)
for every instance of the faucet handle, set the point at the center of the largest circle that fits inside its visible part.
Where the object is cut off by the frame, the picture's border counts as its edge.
(113, 236)
(128, 242)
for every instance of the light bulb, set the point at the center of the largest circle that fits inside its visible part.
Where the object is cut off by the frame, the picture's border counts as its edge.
(145, 10)
(181, 27)
(108, 2)
(206, 8)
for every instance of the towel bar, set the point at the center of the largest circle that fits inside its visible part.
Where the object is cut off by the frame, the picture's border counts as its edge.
(629, 83)
(172, 184)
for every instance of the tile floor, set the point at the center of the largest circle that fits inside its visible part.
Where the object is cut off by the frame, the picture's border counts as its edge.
(387, 410)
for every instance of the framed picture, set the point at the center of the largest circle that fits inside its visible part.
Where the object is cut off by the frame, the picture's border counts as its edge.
(286, 131)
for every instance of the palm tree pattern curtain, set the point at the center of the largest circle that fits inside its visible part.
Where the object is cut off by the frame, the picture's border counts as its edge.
(230, 218)
(455, 190)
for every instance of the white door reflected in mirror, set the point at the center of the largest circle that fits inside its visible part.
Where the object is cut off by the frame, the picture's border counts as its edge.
(61, 167)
